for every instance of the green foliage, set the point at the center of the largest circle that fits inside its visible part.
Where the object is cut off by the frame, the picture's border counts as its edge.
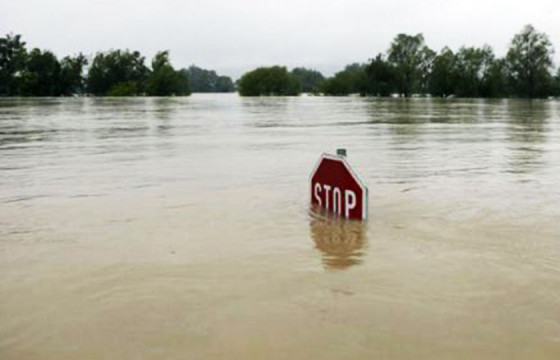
(529, 63)
(352, 80)
(184, 82)
(443, 80)
(380, 77)
(127, 88)
(411, 60)
(472, 72)
(207, 81)
(556, 85)
(426, 66)
(409, 67)
(311, 80)
(12, 62)
(338, 85)
(224, 84)
(39, 72)
(123, 73)
(71, 75)
(472, 65)
(269, 81)
(494, 83)
(41, 76)
(116, 70)
(164, 80)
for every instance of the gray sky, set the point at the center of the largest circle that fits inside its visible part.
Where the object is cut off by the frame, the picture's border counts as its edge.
(232, 37)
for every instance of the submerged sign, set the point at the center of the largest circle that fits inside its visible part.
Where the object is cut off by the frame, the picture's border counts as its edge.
(338, 189)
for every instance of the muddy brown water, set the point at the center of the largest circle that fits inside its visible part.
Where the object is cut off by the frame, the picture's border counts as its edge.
(179, 228)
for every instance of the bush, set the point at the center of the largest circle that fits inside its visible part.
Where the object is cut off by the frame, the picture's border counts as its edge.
(128, 88)
(269, 81)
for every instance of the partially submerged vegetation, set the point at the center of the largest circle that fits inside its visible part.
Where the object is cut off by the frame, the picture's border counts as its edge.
(111, 73)
(208, 81)
(277, 81)
(271, 81)
(123, 73)
(408, 67)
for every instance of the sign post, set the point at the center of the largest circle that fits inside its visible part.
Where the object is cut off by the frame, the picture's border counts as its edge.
(337, 188)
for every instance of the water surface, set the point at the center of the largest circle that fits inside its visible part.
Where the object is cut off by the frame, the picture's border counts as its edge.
(179, 228)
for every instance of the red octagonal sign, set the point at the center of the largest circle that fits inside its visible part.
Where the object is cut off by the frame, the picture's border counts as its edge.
(337, 188)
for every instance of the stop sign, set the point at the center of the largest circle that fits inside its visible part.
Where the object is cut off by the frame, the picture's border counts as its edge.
(337, 188)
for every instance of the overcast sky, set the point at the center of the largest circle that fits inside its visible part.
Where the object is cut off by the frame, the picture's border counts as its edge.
(232, 37)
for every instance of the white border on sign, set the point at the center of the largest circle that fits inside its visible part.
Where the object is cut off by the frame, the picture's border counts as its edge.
(352, 172)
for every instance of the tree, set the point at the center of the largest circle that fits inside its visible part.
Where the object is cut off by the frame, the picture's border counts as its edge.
(164, 80)
(201, 80)
(426, 66)
(269, 81)
(442, 80)
(41, 76)
(184, 82)
(117, 73)
(471, 66)
(12, 62)
(556, 86)
(72, 79)
(529, 63)
(380, 77)
(311, 80)
(123, 88)
(494, 83)
(204, 81)
(224, 84)
(352, 80)
(411, 60)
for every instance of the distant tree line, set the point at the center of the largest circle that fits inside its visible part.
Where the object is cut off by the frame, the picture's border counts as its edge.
(410, 67)
(207, 81)
(113, 73)
(123, 73)
(37, 72)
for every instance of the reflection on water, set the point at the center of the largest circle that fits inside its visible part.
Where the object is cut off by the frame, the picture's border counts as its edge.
(14, 125)
(341, 241)
(24, 136)
(527, 132)
(164, 111)
(164, 108)
(267, 112)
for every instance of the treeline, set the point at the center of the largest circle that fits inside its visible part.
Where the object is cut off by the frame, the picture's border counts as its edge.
(113, 73)
(410, 67)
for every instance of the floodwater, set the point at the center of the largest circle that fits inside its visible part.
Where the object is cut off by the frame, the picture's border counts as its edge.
(179, 228)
